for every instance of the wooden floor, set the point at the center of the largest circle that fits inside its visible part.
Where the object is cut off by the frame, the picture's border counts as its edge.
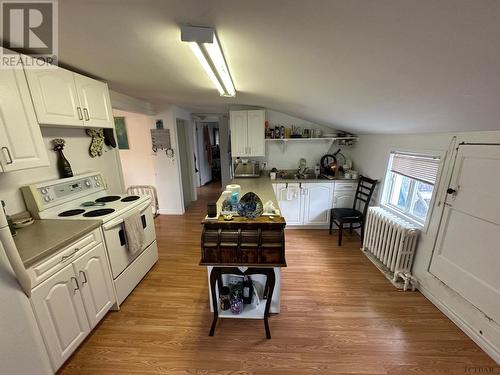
(339, 316)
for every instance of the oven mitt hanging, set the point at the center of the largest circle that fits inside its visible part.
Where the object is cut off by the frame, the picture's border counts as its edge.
(109, 138)
(97, 142)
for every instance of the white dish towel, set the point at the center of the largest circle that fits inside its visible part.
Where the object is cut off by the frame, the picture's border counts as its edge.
(134, 232)
(292, 193)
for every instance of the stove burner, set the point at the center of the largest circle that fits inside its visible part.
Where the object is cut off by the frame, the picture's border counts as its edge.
(99, 212)
(109, 198)
(71, 212)
(130, 198)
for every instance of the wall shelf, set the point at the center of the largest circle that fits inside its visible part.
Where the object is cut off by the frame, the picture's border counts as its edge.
(284, 141)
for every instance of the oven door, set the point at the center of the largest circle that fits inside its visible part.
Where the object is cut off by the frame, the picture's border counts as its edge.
(116, 242)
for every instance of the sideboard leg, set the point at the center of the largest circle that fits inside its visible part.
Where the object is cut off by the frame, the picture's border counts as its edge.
(214, 275)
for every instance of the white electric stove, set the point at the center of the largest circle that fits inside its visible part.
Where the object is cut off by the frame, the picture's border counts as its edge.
(85, 197)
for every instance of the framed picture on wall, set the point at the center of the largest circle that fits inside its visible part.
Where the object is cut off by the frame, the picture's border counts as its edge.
(121, 133)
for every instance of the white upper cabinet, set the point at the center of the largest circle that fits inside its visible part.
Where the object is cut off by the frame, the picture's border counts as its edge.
(256, 133)
(247, 133)
(54, 96)
(64, 98)
(21, 142)
(95, 102)
(239, 133)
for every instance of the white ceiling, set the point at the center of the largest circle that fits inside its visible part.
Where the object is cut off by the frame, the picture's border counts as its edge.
(364, 66)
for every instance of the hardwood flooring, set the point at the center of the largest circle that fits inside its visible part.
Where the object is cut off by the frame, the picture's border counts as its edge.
(339, 316)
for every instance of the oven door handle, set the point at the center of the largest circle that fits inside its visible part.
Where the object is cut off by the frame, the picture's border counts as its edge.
(114, 223)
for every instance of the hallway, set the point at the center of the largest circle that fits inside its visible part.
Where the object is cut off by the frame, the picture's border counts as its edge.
(339, 315)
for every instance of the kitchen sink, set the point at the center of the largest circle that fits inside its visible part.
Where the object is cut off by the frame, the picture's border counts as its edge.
(297, 176)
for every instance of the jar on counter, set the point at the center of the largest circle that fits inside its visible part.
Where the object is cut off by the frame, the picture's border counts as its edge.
(225, 298)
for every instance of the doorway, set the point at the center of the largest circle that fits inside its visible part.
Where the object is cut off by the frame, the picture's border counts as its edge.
(213, 153)
(184, 161)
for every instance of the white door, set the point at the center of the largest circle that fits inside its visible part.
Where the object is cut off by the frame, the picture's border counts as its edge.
(21, 142)
(318, 202)
(59, 310)
(290, 199)
(95, 281)
(54, 96)
(256, 133)
(95, 102)
(239, 133)
(466, 255)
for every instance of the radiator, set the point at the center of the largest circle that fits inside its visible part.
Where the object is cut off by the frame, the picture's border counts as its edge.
(390, 244)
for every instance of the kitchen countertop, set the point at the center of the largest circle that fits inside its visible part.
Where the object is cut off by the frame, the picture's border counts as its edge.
(262, 186)
(45, 237)
(288, 180)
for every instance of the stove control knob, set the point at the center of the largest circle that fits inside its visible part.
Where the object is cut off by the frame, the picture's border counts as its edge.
(97, 183)
(88, 183)
(46, 198)
(44, 191)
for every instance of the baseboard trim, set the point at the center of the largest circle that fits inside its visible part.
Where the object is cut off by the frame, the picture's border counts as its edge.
(170, 211)
(463, 325)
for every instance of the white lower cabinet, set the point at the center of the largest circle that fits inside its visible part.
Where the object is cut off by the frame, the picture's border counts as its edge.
(318, 202)
(71, 302)
(291, 201)
(95, 284)
(60, 314)
(344, 194)
(309, 203)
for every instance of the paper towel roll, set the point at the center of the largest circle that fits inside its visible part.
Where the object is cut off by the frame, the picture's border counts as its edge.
(234, 188)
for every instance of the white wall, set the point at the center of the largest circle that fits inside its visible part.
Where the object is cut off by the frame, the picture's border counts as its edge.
(76, 151)
(168, 170)
(138, 162)
(370, 156)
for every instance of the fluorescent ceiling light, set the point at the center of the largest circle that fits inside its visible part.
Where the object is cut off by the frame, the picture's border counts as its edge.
(206, 48)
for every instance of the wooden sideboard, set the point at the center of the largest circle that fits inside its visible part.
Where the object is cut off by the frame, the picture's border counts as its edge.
(243, 242)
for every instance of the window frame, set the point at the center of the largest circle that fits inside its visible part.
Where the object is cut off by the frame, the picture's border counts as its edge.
(389, 181)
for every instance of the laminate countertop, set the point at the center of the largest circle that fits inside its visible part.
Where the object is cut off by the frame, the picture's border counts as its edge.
(262, 186)
(45, 237)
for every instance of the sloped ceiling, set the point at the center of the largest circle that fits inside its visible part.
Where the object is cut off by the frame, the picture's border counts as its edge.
(364, 66)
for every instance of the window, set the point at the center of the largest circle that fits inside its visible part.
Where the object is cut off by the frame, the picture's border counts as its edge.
(409, 185)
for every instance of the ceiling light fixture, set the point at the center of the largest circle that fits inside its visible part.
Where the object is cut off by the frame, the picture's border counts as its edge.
(206, 47)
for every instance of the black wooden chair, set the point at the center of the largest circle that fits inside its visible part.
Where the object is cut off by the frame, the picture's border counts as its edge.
(354, 215)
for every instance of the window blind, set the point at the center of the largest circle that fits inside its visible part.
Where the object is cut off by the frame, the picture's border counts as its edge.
(422, 168)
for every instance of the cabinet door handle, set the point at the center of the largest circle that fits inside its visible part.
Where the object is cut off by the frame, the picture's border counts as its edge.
(79, 110)
(10, 161)
(82, 273)
(66, 257)
(86, 113)
(74, 281)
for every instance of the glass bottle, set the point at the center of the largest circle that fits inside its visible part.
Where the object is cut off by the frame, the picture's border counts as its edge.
(247, 290)
(63, 166)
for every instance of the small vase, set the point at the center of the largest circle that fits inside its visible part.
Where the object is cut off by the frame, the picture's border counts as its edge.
(63, 166)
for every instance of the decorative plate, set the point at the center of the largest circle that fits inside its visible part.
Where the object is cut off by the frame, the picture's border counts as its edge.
(250, 206)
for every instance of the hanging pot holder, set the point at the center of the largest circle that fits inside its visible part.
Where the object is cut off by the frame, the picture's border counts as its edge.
(97, 142)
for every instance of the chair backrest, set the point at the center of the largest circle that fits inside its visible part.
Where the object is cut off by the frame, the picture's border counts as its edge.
(364, 192)
(146, 190)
